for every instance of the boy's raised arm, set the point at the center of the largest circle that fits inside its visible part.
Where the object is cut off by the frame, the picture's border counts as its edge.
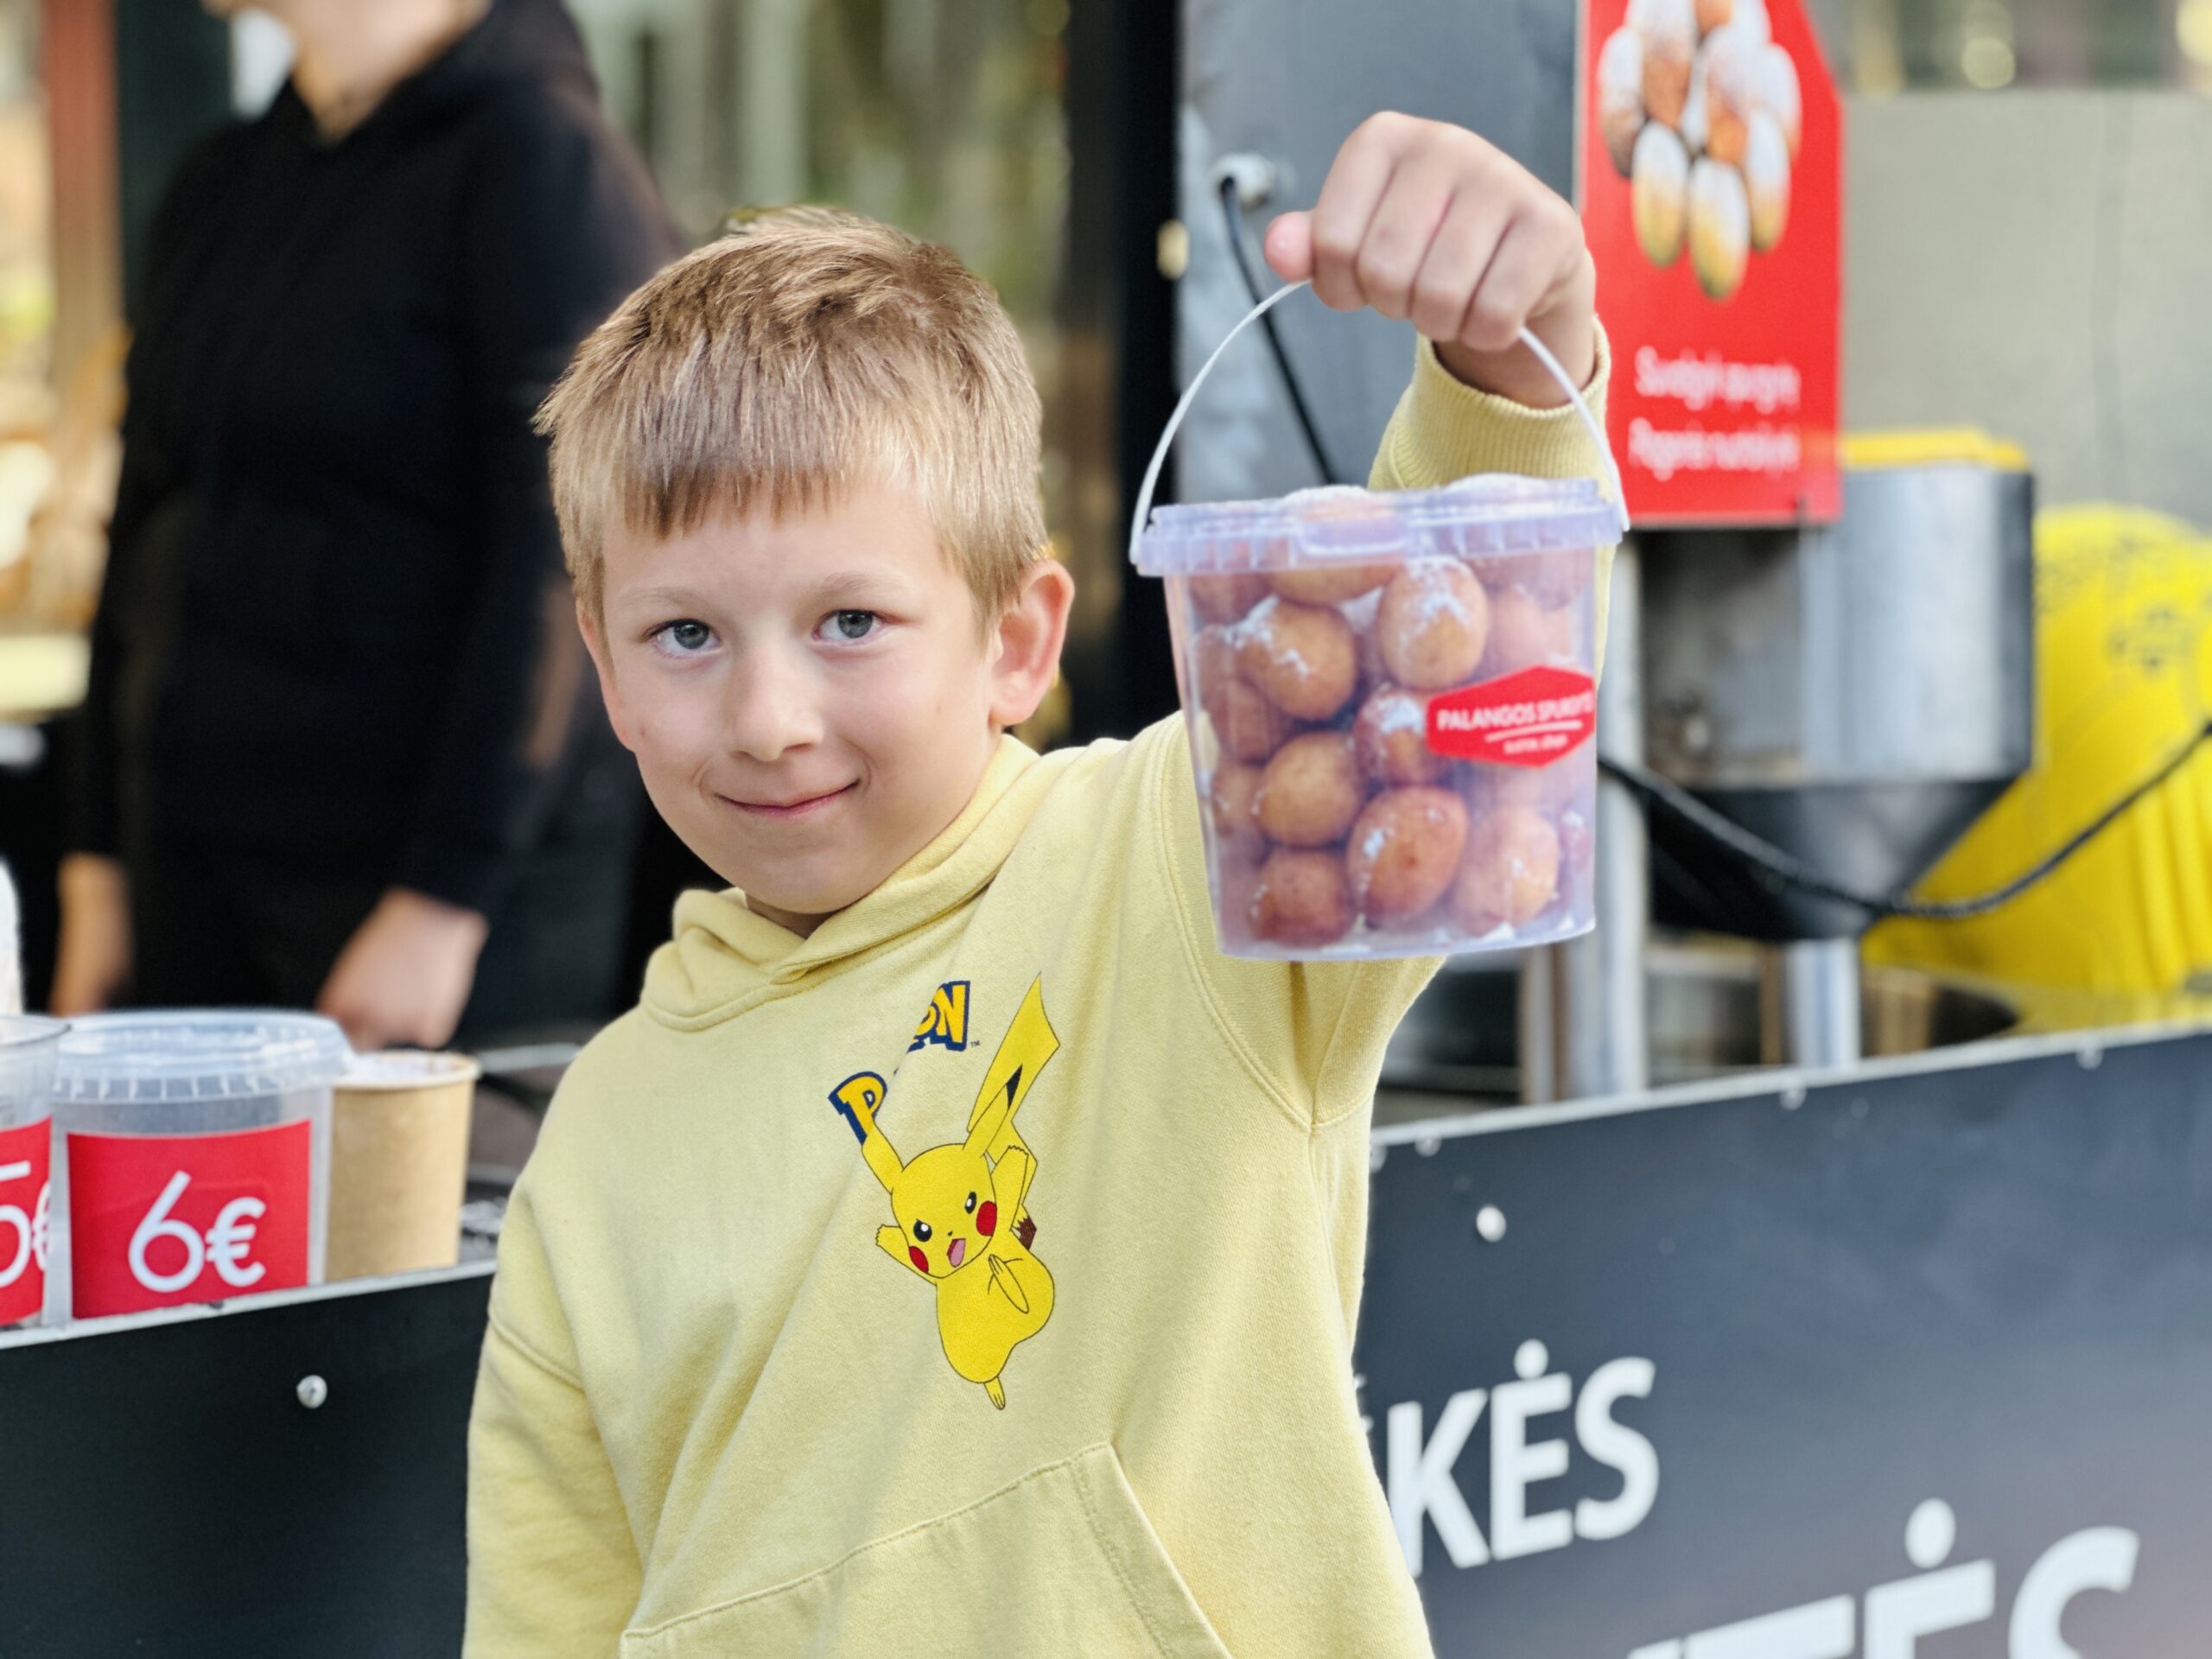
(552, 1567)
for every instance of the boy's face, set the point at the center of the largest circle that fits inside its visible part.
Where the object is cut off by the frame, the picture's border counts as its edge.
(809, 698)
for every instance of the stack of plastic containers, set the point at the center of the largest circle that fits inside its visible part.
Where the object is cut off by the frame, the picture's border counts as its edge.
(193, 1161)
(26, 1053)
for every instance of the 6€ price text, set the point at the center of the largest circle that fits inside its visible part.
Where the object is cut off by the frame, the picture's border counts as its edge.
(160, 1220)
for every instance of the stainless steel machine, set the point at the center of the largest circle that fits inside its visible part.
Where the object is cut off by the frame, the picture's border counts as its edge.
(1854, 694)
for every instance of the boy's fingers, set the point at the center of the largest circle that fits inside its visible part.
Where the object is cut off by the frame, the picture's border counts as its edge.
(1458, 256)
(1289, 246)
(1350, 196)
(1519, 274)
(1416, 203)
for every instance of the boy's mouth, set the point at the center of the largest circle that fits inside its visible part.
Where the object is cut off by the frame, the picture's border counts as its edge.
(793, 807)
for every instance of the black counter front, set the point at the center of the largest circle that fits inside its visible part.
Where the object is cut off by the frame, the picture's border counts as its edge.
(1904, 1361)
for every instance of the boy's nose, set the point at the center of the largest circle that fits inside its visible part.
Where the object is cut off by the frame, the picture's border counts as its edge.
(772, 708)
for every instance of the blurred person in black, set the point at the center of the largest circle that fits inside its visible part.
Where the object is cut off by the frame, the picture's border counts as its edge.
(341, 745)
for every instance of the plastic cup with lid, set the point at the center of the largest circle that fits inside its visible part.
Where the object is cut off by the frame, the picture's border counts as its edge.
(193, 1161)
(27, 1045)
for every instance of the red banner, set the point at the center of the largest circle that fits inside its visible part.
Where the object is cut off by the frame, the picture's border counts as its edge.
(1711, 159)
(158, 1220)
(1527, 719)
(26, 1152)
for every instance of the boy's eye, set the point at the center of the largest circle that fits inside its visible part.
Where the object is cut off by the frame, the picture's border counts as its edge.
(851, 624)
(922, 1231)
(684, 636)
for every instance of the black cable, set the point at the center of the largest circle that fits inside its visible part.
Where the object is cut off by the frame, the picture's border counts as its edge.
(1784, 869)
(1233, 211)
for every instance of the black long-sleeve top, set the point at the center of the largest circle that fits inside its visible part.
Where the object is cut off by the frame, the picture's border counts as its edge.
(334, 629)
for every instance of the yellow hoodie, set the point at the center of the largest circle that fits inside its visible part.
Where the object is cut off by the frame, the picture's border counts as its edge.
(723, 1411)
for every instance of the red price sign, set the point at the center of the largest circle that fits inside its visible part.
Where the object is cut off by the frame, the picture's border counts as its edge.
(1528, 719)
(1711, 153)
(159, 1220)
(25, 1154)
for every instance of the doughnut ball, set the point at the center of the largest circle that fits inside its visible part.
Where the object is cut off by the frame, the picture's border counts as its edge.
(1213, 659)
(1303, 899)
(1235, 798)
(1730, 65)
(1664, 23)
(1554, 580)
(1302, 658)
(1522, 634)
(1668, 28)
(1328, 584)
(1711, 14)
(1720, 228)
(1391, 736)
(1659, 193)
(1578, 842)
(1774, 90)
(1249, 727)
(1620, 95)
(1766, 181)
(1311, 790)
(1223, 598)
(1695, 120)
(1403, 851)
(1433, 624)
(1510, 871)
(1544, 790)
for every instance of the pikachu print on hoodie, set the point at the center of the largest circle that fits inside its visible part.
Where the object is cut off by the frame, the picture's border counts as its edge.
(962, 1224)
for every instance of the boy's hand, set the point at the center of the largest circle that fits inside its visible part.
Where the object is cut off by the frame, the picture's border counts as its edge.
(1425, 221)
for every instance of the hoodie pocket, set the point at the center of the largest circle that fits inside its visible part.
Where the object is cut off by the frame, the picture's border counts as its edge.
(1062, 1562)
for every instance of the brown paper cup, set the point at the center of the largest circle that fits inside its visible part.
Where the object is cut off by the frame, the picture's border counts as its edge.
(400, 1162)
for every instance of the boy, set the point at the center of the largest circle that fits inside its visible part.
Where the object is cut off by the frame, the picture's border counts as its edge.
(963, 1010)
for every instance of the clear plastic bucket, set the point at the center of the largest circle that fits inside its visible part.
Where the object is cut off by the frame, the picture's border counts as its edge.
(28, 1045)
(192, 1163)
(1392, 704)
(1392, 701)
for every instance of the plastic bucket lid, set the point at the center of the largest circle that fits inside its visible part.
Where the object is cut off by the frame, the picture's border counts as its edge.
(198, 1054)
(27, 1044)
(23, 1034)
(1492, 514)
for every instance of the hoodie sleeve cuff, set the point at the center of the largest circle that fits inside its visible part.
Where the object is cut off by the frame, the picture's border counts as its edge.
(1446, 429)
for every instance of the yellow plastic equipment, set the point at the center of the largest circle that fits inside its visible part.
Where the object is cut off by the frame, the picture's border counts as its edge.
(1934, 445)
(2124, 679)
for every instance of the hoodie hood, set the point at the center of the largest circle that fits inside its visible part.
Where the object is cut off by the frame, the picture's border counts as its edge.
(724, 958)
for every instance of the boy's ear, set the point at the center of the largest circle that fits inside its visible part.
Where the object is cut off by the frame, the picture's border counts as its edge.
(1026, 640)
(609, 693)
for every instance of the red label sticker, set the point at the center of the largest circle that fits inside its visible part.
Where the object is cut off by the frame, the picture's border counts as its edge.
(159, 1220)
(1528, 719)
(26, 1152)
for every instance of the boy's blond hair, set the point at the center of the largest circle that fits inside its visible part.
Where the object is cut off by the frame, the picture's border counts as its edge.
(807, 352)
